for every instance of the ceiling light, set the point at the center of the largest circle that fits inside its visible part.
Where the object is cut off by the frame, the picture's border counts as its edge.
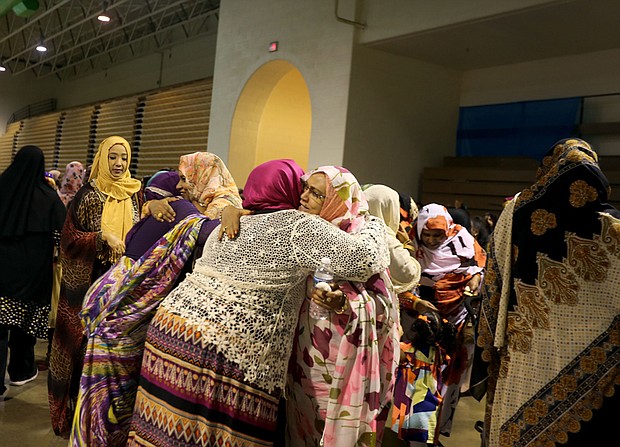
(41, 48)
(2, 67)
(104, 17)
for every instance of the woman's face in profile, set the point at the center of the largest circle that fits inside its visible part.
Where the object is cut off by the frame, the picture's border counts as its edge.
(184, 186)
(313, 195)
(117, 161)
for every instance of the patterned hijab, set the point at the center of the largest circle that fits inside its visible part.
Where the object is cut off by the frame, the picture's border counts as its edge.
(118, 210)
(345, 204)
(71, 182)
(212, 184)
(273, 185)
(569, 192)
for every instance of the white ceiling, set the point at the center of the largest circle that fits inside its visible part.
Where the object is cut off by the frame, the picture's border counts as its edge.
(558, 29)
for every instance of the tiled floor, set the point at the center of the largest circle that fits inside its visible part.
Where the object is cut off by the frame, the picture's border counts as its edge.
(25, 422)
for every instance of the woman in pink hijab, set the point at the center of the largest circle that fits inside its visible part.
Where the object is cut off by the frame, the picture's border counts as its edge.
(71, 182)
(341, 372)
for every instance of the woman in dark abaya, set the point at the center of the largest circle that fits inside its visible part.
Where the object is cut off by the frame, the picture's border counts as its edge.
(551, 308)
(31, 214)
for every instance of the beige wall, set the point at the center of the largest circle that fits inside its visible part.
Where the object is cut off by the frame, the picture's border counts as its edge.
(311, 39)
(403, 116)
(579, 75)
(369, 112)
(20, 91)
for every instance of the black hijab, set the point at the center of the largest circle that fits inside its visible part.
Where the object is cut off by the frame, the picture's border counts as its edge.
(27, 202)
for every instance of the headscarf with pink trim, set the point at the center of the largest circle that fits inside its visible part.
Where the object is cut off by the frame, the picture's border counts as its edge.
(359, 348)
(448, 257)
(345, 204)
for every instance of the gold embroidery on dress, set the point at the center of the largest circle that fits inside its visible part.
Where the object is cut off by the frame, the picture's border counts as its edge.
(610, 234)
(559, 149)
(553, 172)
(581, 193)
(503, 367)
(556, 281)
(564, 387)
(525, 195)
(532, 305)
(519, 332)
(587, 258)
(575, 156)
(542, 220)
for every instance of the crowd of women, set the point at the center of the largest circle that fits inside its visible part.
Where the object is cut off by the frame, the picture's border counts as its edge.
(178, 308)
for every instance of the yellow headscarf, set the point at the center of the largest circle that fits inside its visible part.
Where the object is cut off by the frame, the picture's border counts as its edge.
(117, 211)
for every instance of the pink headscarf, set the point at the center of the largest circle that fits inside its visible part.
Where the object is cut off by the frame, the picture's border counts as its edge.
(71, 182)
(448, 257)
(273, 185)
(345, 204)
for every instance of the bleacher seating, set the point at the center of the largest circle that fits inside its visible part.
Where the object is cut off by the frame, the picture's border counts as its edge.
(482, 184)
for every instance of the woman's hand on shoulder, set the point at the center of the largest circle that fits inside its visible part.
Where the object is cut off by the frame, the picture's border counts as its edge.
(230, 219)
(161, 210)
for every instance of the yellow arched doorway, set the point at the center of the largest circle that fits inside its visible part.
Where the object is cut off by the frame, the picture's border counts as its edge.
(273, 119)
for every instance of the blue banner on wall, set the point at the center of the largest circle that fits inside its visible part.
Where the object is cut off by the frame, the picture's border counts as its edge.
(519, 129)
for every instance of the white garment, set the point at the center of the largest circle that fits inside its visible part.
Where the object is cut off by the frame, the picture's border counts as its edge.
(384, 203)
(245, 294)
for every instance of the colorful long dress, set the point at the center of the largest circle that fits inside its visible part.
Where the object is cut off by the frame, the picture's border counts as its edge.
(341, 375)
(342, 370)
(217, 349)
(84, 258)
(417, 394)
(446, 271)
(117, 311)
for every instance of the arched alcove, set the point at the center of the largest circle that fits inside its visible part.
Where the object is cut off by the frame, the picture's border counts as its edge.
(272, 119)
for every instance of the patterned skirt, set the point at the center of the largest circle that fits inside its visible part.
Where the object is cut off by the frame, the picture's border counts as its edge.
(189, 395)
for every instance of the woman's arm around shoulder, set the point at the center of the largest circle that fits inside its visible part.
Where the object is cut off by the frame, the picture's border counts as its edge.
(355, 256)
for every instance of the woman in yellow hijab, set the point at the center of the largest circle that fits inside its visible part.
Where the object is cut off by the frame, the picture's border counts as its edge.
(98, 219)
